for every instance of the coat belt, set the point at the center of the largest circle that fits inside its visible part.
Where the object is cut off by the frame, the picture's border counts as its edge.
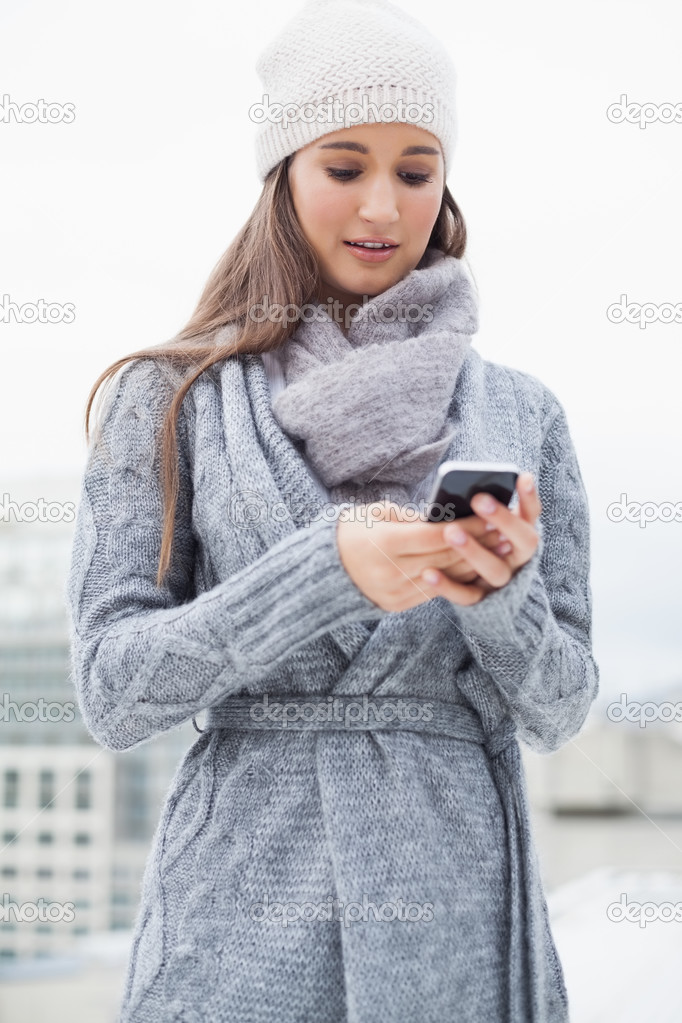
(352, 713)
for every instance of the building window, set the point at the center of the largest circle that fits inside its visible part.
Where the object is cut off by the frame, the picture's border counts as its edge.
(9, 871)
(46, 790)
(45, 872)
(46, 838)
(83, 790)
(81, 875)
(8, 837)
(11, 788)
(81, 838)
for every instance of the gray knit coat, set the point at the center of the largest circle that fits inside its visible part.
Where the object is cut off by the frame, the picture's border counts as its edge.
(274, 885)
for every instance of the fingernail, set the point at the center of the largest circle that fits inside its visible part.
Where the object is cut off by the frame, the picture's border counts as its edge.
(429, 576)
(504, 548)
(453, 534)
(484, 503)
(527, 484)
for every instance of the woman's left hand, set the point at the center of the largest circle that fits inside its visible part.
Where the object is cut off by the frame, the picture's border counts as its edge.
(496, 567)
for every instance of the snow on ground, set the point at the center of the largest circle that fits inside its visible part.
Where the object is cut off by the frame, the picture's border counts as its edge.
(627, 968)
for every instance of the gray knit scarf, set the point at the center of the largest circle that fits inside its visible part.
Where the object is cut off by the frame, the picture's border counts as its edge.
(370, 410)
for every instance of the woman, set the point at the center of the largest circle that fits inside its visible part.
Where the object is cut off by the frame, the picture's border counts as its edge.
(348, 837)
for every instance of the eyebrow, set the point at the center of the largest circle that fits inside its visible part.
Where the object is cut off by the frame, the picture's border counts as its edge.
(358, 147)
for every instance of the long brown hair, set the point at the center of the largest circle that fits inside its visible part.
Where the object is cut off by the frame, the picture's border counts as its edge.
(270, 256)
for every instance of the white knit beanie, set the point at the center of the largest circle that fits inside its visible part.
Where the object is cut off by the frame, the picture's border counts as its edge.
(373, 59)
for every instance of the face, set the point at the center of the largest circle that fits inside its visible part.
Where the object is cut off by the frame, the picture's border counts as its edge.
(382, 181)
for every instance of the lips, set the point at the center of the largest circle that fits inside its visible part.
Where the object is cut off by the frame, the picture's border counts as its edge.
(378, 247)
(371, 255)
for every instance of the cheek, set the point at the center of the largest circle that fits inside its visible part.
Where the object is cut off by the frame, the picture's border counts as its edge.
(322, 207)
(423, 211)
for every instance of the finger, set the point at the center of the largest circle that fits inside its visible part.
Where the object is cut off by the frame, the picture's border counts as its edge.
(492, 568)
(476, 526)
(427, 538)
(530, 506)
(460, 573)
(519, 532)
(449, 558)
(439, 585)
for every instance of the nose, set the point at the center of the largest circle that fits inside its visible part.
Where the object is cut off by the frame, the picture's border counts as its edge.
(378, 203)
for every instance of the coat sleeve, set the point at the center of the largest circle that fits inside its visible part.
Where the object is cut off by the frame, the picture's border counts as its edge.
(533, 637)
(145, 658)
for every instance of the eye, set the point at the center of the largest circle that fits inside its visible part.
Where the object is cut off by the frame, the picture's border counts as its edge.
(408, 177)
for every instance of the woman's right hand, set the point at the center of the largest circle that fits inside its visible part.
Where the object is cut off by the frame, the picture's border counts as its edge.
(384, 553)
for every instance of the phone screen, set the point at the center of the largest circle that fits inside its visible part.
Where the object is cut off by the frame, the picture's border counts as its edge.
(458, 486)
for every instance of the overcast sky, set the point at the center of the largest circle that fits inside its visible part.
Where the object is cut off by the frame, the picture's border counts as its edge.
(124, 211)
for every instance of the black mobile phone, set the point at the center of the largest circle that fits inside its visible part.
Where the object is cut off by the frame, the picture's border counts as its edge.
(457, 482)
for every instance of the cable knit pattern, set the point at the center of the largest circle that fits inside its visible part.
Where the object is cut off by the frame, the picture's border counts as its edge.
(260, 603)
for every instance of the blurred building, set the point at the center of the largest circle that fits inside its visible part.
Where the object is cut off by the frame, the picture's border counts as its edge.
(610, 798)
(613, 766)
(76, 820)
(56, 846)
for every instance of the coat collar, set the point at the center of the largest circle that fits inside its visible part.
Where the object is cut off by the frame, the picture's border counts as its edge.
(271, 472)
